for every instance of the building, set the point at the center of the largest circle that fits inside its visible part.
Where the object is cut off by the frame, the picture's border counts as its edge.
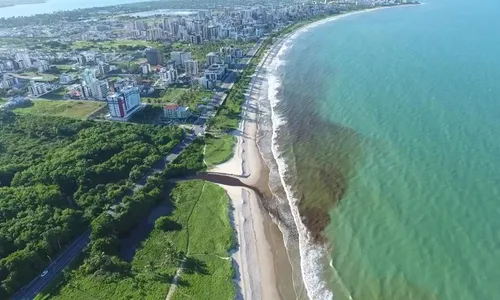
(154, 34)
(99, 89)
(216, 72)
(154, 57)
(82, 59)
(191, 67)
(85, 92)
(124, 104)
(37, 88)
(168, 75)
(104, 68)
(65, 78)
(180, 57)
(174, 111)
(139, 25)
(145, 68)
(213, 58)
(25, 59)
(88, 76)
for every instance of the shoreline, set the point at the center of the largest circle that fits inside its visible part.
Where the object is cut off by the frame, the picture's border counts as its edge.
(261, 260)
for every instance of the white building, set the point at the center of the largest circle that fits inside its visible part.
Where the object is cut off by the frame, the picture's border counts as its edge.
(213, 58)
(216, 72)
(145, 68)
(88, 76)
(168, 76)
(191, 67)
(99, 89)
(37, 88)
(124, 104)
(65, 78)
(25, 58)
(174, 111)
(104, 68)
(180, 57)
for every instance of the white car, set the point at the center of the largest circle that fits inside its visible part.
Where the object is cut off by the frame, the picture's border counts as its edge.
(44, 273)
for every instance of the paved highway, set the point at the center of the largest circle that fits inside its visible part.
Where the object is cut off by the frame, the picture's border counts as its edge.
(54, 269)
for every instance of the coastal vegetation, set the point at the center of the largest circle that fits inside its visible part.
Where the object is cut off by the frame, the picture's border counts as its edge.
(56, 176)
(190, 97)
(70, 109)
(199, 52)
(115, 45)
(219, 149)
(177, 240)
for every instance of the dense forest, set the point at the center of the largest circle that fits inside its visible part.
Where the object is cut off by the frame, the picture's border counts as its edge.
(57, 175)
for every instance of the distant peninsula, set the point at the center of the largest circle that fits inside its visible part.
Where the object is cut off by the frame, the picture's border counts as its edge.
(7, 3)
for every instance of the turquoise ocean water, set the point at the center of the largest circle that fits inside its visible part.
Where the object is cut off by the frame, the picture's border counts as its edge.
(393, 130)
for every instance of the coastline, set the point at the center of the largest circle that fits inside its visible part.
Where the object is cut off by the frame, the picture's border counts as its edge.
(262, 262)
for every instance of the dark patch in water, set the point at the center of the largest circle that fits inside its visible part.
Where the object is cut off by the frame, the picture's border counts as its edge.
(321, 157)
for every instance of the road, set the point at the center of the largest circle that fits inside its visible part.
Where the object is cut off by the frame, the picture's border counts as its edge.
(54, 269)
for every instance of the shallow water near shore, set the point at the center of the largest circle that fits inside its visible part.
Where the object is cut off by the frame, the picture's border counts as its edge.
(389, 130)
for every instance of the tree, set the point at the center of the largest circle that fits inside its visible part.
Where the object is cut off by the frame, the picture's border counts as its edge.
(165, 224)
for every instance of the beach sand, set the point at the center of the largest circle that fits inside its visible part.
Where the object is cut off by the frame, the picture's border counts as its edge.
(260, 259)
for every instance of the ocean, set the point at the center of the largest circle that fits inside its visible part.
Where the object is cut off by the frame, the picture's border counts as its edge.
(382, 140)
(51, 6)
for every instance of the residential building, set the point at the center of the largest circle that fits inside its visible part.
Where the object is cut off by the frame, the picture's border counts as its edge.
(154, 57)
(103, 68)
(88, 76)
(85, 91)
(99, 89)
(180, 57)
(174, 111)
(82, 59)
(25, 59)
(213, 58)
(65, 78)
(37, 88)
(145, 68)
(124, 104)
(216, 72)
(191, 67)
(168, 75)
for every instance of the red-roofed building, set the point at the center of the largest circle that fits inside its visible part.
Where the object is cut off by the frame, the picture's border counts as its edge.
(174, 111)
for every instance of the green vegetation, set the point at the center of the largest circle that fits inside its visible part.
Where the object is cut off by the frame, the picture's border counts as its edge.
(207, 272)
(202, 209)
(199, 52)
(58, 174)
(71, 109)
(219, 149)
(55, 95)
(2, 100)
(191, 97)
(169, 95)
(179, 237)
(115, 45)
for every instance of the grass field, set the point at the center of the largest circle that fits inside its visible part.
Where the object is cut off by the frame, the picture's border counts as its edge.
(181, 96)
(204, 235)
(199, 52)
(202, 209)
(219, 149)
(37, 76)
(70, 109)
(114, 45)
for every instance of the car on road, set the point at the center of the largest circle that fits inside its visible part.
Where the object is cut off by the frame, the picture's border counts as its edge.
(44, 273)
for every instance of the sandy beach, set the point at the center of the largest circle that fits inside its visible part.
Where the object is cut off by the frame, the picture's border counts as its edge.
(260, 259)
